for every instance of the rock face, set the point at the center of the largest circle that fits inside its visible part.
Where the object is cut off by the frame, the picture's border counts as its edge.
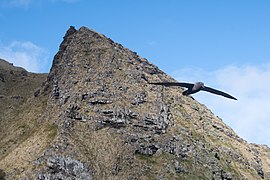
(101, 119)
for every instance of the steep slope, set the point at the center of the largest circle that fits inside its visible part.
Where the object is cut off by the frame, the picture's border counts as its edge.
(19, 110)
(16, 87)
(16, 81)
(103, 120)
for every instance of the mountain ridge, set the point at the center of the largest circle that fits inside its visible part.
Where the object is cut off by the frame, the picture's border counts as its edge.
(99, 118)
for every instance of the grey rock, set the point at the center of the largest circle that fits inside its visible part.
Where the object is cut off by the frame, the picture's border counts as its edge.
(65, 168)
(2, 77)
(178, 168)
(64, 98)
(117, 117)
(17, 97)
(147, 150)
(140, 98)
(55, 92)
(100, 101)
(36, 93)
(73, 112)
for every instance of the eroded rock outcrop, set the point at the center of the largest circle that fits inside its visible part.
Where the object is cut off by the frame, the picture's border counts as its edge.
(112, 124)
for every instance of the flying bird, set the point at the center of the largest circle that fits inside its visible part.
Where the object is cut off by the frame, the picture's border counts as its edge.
(194, 88)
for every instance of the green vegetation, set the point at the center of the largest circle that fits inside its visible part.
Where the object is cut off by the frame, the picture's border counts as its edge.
(148, 159)
(52, 130)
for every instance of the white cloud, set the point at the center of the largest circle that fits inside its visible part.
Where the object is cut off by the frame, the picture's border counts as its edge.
(27, 55)
(250, 115)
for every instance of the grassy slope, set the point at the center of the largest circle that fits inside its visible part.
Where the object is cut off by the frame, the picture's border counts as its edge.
(21, 136)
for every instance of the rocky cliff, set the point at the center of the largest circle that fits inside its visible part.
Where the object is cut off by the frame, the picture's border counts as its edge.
(97, 117)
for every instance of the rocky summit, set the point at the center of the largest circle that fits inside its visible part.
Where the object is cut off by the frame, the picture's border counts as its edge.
(95, 116)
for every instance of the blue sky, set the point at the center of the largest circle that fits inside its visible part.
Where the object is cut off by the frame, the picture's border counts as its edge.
(225, 43)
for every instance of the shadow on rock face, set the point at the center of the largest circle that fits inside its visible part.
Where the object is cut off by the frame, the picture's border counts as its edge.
(2, 174)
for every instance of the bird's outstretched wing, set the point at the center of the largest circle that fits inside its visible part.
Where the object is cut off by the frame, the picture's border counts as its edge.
(187, 85)
(211, 90)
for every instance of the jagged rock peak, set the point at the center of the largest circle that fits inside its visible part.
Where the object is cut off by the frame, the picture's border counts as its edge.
(70, 31)
(113, 124)
(85, 49)
(84, 30)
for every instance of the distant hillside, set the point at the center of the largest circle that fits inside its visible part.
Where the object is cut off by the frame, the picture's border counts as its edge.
(95, 116)
(17, 88)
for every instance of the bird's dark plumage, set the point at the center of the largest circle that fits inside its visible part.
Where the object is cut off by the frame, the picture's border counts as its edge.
(193, 88)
